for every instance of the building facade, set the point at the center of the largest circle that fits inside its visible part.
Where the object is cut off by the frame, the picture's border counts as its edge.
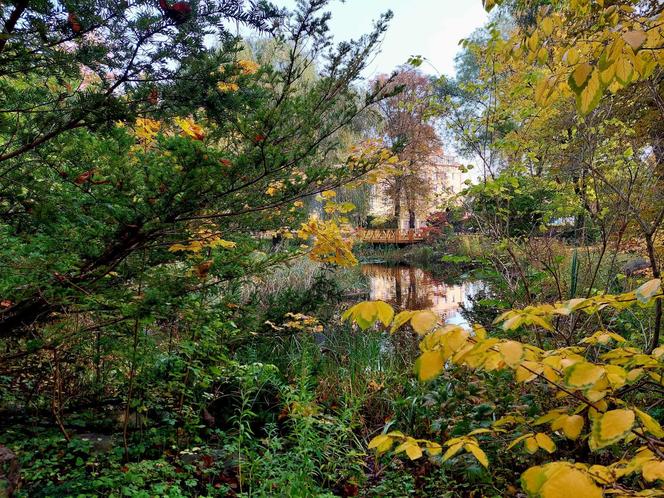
(444, 179)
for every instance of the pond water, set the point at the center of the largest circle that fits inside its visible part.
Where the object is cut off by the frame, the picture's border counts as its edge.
(413, 288)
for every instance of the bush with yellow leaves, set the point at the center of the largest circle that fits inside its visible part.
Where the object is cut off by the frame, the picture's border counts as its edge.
(329, 243)
(600, 393)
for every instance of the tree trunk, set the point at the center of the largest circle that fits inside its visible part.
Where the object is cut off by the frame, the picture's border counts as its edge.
(11, 22)
(652, 256)
(397, 210)
(397, 202)
(579, 228)
(397, 286)
(411, 219)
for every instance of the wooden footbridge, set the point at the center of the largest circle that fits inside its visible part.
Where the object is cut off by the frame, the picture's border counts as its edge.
(391, 236)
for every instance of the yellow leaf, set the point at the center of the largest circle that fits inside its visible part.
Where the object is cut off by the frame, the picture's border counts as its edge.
(378, 440)
(635, 38)
(225, 87)
(385, 312)
(401, 318)
(548, 417)
(643, 455)
(653, 470)
(565, 481)
(633, 375)
(460, 356)
(226, 244)
(147, 129)
(538, 320)
(601, 474)
(583, 375)
(589, 96)
(493, 361)
(611, 427)
(617, 376)
(451, 451)
(507, 420)
(248, 67)
(514, 322)
(524, 374)
(423, 321)
(382, 443)
(606, 76)
(624, 70)
(433, 448)
(480, 333)
(547, 26)
(543, 90)
(453, 339)
(367, 311)
(533, 479)
(533, 41)
(511, 351)
(542, 55)
(570, 425)
(190, 128)
(531, 445)
(571, 57)
(413, 451)
(518, 440)
(195, 246)
(429, 365)
(650, 424)
(480, 431)
(177, 247)
(580, 76)
(489, 4)
(504, 316)
(545, 442)
(550, 373)
(477, 453)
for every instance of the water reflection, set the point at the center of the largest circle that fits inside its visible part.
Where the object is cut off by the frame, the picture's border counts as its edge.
(409, 287)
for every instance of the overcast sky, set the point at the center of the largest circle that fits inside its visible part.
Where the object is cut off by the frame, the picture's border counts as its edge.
(431, 28)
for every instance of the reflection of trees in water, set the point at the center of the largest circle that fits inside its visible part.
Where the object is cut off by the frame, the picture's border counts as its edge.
(409, 287)
(404, 286)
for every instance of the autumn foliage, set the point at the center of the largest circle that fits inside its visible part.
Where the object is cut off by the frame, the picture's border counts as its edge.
(595, 384)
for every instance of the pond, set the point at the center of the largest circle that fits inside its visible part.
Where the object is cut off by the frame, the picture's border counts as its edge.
(413, 288)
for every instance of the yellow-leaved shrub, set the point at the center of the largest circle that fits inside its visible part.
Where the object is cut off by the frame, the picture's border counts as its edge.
(590, 381)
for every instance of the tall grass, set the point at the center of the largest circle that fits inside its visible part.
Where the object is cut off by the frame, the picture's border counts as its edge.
(299, 273)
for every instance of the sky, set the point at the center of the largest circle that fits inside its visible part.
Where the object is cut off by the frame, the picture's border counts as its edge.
(430, 28)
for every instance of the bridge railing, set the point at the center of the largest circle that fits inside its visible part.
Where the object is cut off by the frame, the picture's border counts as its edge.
(392, 236)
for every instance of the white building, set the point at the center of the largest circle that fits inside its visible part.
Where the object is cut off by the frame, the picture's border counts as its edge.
(445, 179)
